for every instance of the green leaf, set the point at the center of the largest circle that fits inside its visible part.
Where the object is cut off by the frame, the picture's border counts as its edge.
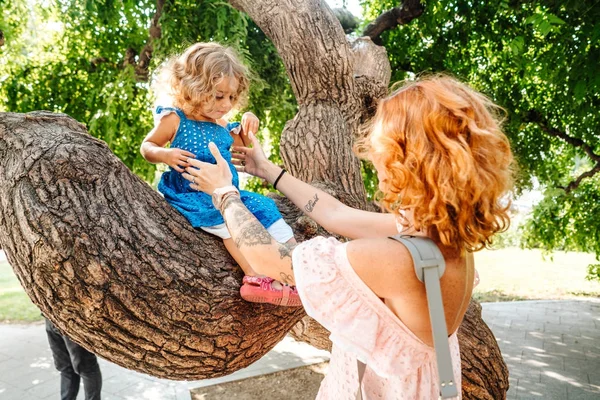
(580, 90)
(554, 20)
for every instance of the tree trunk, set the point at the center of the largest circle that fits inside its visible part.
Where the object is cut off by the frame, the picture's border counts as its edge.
(484, 372)
(121, 272)
(316, 145)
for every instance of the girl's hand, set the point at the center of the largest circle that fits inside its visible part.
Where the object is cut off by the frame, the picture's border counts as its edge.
(249, 123)
(251, 160)
(177, 158)
(207, 177)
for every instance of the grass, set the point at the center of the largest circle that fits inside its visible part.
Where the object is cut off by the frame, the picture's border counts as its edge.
(506, 275)
(513, 274)
(15, 306)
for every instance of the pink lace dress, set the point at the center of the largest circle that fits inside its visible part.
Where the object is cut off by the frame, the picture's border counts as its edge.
(399, 365)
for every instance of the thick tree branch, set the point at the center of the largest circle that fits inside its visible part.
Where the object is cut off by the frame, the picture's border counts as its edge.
(536, 117)
(141, 67)
(320, 65)
(1, 38)
(390, 19)
(114, 266)
(312, 45)
(575, 184)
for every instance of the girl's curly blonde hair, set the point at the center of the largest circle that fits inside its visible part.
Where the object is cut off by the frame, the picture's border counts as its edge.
(189, 80)
(442, 154)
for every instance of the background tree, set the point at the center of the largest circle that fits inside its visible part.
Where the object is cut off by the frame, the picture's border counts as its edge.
(539, 60)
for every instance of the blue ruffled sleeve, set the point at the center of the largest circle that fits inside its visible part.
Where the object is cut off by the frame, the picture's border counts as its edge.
(163, 111)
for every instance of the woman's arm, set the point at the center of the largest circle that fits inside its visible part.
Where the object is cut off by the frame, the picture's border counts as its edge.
(267, 256)
(327, 211)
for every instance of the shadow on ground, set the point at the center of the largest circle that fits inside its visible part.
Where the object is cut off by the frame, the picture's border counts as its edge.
(298, 384)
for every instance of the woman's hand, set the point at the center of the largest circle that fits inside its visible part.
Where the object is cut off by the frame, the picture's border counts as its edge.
(251, 160)
(207, 177)
(177, 158)
(249, 123)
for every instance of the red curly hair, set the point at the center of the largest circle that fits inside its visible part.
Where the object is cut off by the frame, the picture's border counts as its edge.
(442, 154)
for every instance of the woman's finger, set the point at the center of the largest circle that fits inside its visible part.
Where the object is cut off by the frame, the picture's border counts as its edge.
(240, 149)
(214, 150)
(238, 156)
(192, 178)
(197, 163)
(188, 176)
(177, 168)
(253, 139)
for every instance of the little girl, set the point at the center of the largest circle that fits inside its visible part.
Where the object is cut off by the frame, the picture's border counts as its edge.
(203, 85)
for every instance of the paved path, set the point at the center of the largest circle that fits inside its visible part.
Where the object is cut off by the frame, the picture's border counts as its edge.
(552, 349)
(27, 370)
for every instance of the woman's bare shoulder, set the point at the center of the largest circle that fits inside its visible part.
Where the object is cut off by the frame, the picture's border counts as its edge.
(384, 264)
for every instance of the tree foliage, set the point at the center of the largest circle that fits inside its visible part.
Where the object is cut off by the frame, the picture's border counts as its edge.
(83, 59)
(539, 60)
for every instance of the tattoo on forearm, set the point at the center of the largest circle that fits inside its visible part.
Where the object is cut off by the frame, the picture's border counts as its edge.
(310, 206)
(285, 250)
(247, 231)
(250, 232)
(286, 278)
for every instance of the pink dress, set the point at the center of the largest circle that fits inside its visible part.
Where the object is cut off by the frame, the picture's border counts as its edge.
(399, 365)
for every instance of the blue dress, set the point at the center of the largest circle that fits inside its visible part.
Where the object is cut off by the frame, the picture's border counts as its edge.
(194, 136)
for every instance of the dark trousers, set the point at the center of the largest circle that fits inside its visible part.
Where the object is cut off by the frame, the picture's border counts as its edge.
(74, 363)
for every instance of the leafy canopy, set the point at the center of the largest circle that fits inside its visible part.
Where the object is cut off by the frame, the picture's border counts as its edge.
(76, 62)
(539, 60)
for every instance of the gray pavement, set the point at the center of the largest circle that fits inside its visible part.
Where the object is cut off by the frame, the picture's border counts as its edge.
(552, 349)
(27, 370)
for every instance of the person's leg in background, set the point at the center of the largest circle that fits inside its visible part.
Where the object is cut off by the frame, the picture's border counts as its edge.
(86, 366)
(69, 380)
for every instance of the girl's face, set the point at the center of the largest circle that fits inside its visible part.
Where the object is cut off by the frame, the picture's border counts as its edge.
(224, 100)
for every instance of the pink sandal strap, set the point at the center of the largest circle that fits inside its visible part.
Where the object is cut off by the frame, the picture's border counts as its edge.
(286, 295)
(257, 280)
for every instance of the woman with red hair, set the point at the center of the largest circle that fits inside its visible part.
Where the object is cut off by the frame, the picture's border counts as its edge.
(444, 169)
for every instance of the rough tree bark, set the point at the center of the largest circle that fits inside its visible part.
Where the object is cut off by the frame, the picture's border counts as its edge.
(114, 266)
(123, 274)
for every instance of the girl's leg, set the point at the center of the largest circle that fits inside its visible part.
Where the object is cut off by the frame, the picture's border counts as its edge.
(238, 257)
(243, 263)
(262, 289)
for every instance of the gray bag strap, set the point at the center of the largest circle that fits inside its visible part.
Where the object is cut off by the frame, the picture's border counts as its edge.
(430, 266)
(361, 372)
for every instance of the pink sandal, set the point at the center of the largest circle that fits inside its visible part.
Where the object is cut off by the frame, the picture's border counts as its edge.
(260, 290)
